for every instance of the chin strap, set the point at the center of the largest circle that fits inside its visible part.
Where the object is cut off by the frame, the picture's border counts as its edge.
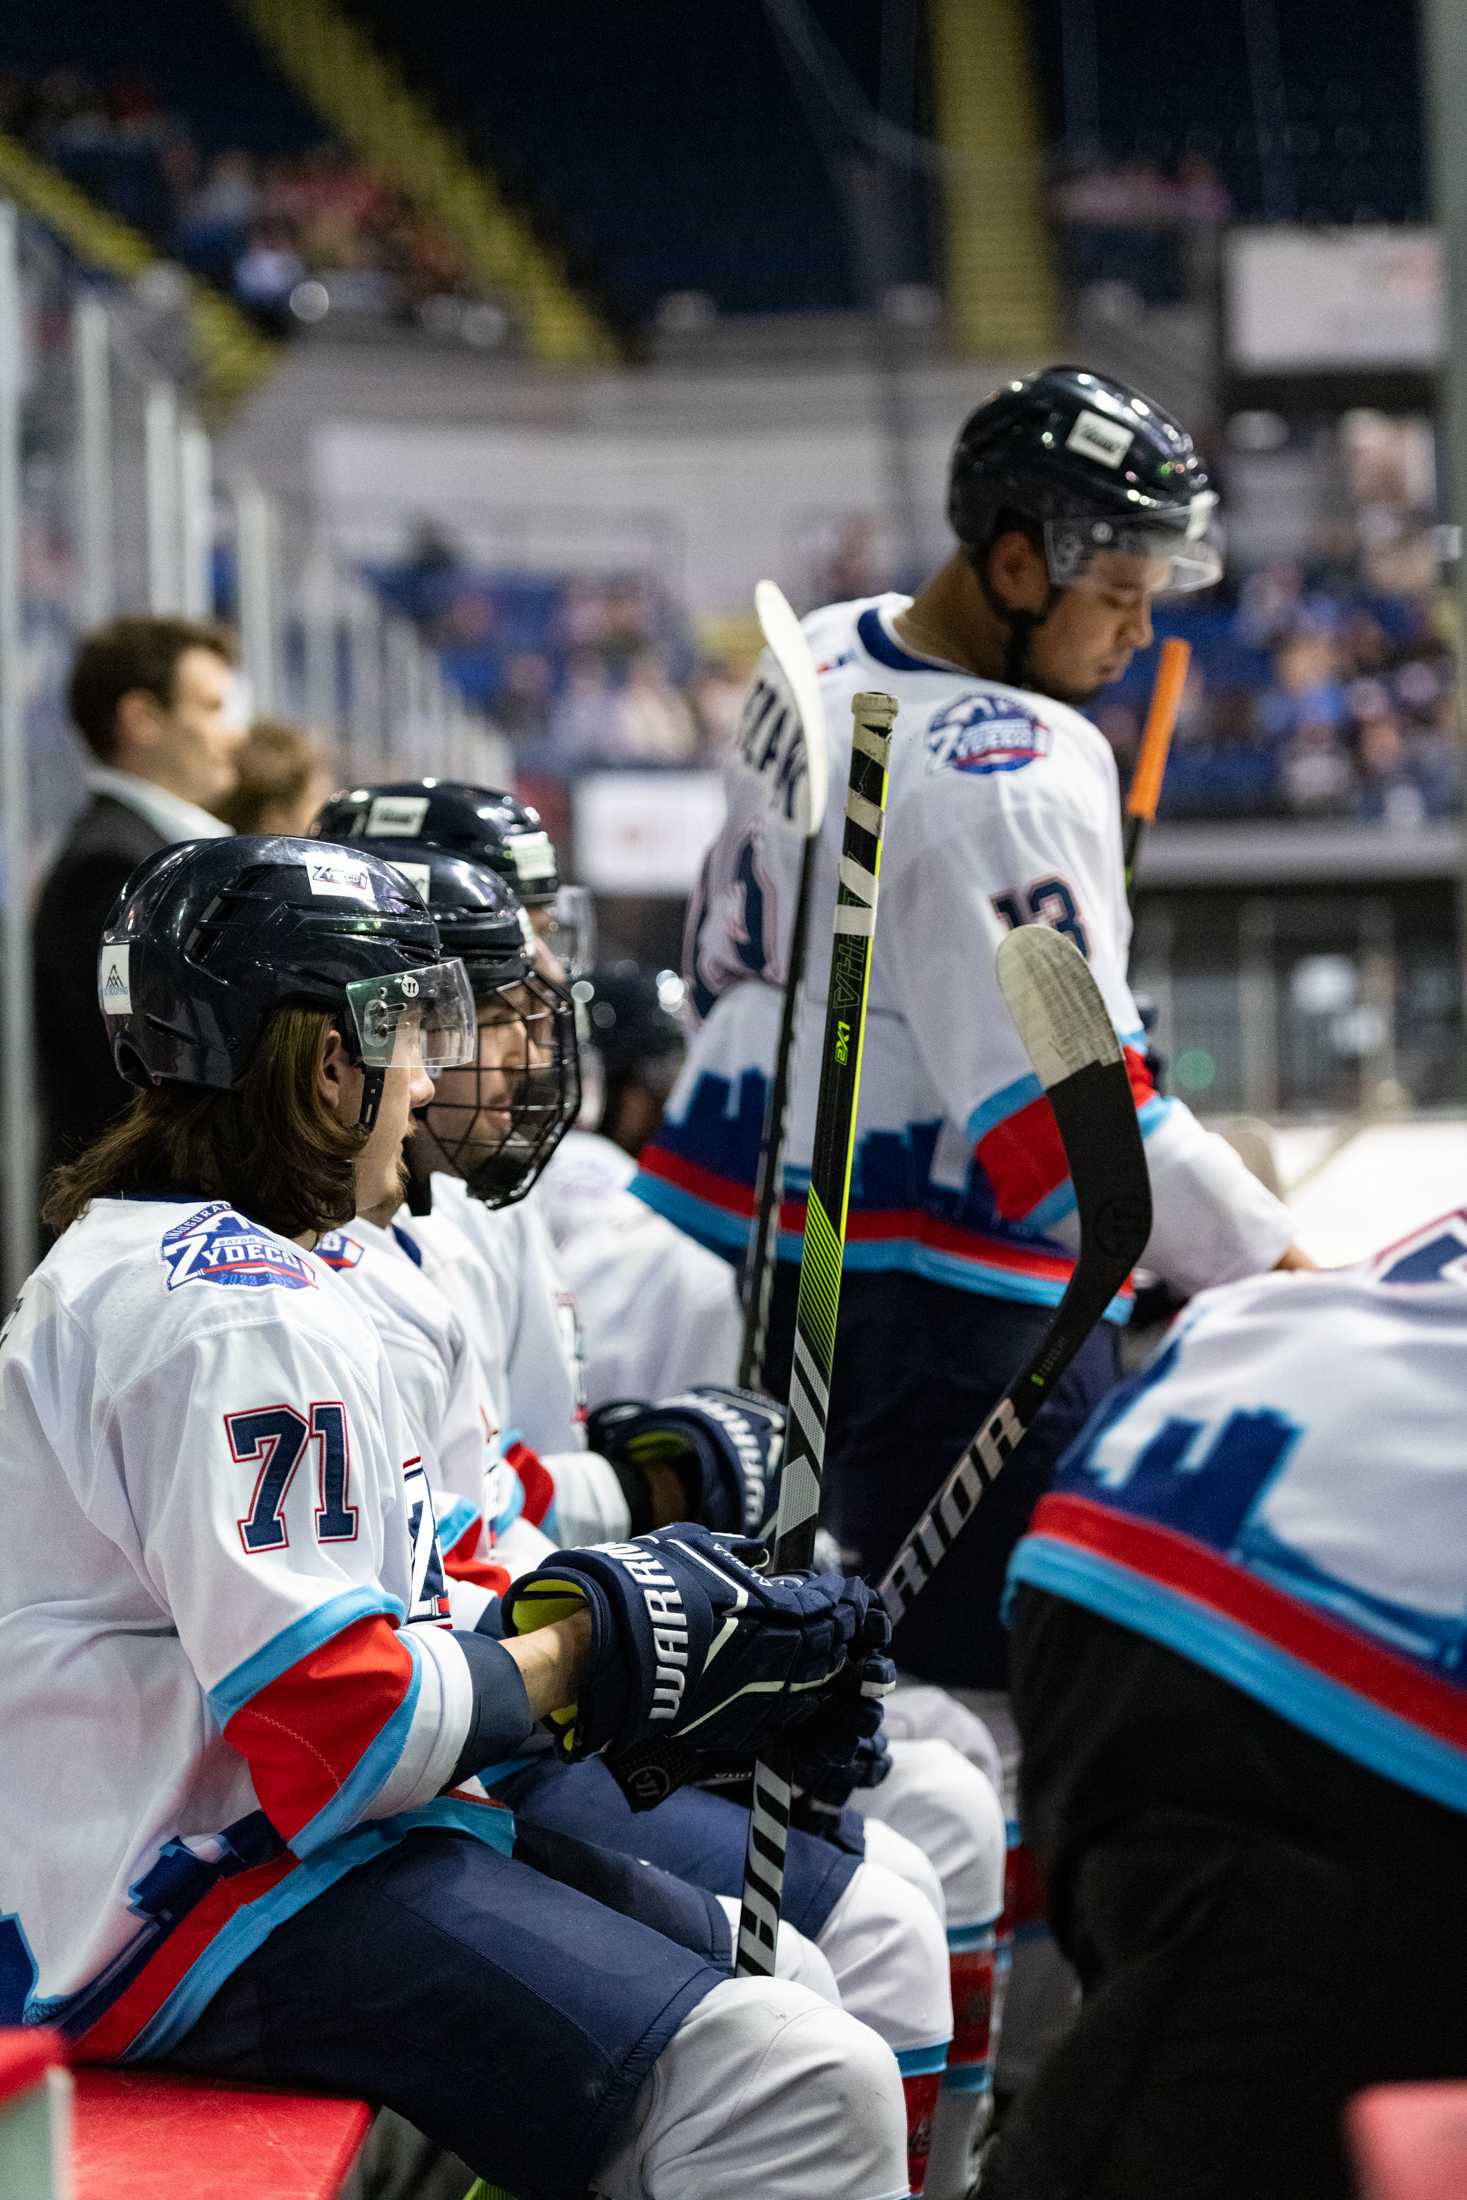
(373, 1081)
(1021, 625)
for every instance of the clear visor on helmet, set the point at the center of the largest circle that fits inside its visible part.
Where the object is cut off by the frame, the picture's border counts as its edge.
(415, 1019)
(567, 927)
(1162, 556)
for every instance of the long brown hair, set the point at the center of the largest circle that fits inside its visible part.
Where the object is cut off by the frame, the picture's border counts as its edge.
(272, 1147)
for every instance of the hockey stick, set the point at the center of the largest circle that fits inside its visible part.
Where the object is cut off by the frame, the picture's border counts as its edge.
(1156, 741)
(820, 1274)
(1068, 1036)
(786, 643)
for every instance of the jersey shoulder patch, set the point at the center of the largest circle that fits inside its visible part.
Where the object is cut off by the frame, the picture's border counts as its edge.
(339, 1249)
(218, 1245)
(980, 734)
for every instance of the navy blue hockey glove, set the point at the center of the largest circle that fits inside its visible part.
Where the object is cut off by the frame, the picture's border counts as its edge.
(688, 1643)
(724, 1445)
(838, 1749)
(842, 1747)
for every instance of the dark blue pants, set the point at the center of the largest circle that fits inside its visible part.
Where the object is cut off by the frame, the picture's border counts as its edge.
(698, 1836)
(502, 2009)
(918, 1367)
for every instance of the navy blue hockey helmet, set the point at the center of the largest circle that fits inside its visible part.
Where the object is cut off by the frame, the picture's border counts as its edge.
(208, 938)
(497, 1121)
(487, 823)
(484, 822)
(1086, 464)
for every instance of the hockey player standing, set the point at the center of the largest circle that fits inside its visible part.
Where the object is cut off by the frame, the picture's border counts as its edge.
(1076, 502)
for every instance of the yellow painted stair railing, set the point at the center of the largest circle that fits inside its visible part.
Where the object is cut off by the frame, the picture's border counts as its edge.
(338, 69)
(1001, 286)
(233, 355)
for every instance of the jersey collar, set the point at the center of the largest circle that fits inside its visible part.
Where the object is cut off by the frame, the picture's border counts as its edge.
(879, 642)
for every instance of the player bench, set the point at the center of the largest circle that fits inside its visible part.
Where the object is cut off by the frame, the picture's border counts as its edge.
(1410, 2141)
(140, 2134)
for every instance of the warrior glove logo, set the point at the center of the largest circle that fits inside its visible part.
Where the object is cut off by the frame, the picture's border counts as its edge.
(669, 1620)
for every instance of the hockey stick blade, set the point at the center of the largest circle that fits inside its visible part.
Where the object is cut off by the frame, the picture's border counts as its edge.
(785, 640)
(1067, 1034)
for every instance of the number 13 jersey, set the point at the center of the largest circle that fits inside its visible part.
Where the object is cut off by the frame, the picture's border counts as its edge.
(1003, 809)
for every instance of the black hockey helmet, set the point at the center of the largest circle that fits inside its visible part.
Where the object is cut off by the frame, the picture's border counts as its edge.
(1085, 464)
(496, 1122)
(209, 937)
(484, 822)
(487, 823)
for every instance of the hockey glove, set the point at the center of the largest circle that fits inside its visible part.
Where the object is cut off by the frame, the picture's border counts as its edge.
(689, 1643)
(725, 1447)
(842, 1747)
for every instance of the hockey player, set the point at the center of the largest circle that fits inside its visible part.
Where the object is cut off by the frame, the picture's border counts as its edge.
(714, 1456)
(1238, 1633)
(230, 1676)
(1075, 502)
(648, 1464)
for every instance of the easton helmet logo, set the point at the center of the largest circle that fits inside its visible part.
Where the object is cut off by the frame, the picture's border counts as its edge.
(410, 988)
(114, 986)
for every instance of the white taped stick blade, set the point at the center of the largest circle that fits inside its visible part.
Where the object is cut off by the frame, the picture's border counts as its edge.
(1055, 1002)
(784, 638)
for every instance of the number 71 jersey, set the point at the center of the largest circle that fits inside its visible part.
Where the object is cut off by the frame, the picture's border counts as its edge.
(1281, 1497)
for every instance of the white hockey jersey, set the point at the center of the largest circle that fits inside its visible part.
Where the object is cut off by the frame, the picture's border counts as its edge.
(228, 1676)
(1281, 1496)
(1003, 809)
(497, 1267)
(658, 1312)
(440, 1380)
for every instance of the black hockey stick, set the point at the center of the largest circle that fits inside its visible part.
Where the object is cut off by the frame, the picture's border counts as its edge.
(1069, 1038)
(820, 1275)
(786, 643)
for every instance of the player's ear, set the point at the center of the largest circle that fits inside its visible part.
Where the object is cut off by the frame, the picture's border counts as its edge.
(335, 1075)
(1016, 568)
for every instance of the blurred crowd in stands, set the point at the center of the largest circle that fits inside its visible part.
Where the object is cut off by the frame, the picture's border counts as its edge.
(1315, 691)
(290, 235)
(1310, 696)
(577, 672)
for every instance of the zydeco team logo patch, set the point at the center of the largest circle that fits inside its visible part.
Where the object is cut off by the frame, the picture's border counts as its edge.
(216, 1245)
(986, 733)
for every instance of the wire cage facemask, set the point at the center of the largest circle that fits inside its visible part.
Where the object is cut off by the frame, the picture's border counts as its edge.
(496, 1122)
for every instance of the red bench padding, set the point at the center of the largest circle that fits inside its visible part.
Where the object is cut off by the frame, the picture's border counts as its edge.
(26, 2054)
(1410, 2141)
(148, 2135)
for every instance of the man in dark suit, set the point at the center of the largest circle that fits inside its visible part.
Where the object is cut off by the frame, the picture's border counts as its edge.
(157, 702)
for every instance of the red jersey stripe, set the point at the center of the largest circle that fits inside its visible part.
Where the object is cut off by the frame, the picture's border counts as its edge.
(305, 1733)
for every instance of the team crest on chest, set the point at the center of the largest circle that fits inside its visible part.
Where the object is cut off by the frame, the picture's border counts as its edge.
(986, 733)
(217, 1245)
